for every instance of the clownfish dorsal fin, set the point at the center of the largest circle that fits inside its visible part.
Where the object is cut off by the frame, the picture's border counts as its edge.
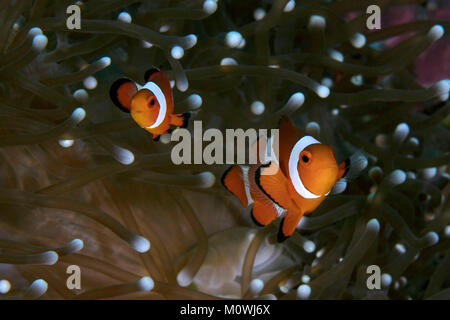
(233, 181)
(121, 93)
(150, 74)
(288, 129)
(271, 180)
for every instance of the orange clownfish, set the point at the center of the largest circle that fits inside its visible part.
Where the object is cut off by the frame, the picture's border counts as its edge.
(150, 105)
(301, 175)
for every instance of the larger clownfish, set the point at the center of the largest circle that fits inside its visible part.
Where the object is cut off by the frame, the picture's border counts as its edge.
(301, 175)
(150, 105)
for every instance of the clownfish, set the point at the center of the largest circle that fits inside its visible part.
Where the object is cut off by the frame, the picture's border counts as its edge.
(150, 105)
(301, 175)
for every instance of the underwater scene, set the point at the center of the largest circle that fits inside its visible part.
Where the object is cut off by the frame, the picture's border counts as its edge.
(225, 149)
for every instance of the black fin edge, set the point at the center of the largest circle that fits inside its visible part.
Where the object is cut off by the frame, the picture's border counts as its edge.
(258, 182)
(223, 178)
(186, 117)
(284, 118)
(149, 73)
(254, 219)
(280, 236)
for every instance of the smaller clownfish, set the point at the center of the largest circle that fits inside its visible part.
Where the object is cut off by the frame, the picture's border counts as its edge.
(302, 174)
(150, 105)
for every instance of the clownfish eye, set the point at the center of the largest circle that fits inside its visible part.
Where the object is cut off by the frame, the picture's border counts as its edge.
(305, 158)
(152, 102)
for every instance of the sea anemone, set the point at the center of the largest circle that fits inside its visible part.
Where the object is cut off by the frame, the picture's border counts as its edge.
(82, 185)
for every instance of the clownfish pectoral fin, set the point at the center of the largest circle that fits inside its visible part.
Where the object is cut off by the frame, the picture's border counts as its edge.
(180, 120)
(343, 168)
(233, 181)
(352, 167)
(271, 180)
(121, 93)
(176, 120)
(288, 225)
(263, 213)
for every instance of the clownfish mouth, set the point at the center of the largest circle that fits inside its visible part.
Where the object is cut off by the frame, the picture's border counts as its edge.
(293, 172)
(161, 98)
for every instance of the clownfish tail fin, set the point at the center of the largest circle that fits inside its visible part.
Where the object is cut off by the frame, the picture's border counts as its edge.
(232, 180)
(186, 117)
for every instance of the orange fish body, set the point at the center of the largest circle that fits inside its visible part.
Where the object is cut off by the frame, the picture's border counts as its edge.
(293, 184)
(151, 106)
